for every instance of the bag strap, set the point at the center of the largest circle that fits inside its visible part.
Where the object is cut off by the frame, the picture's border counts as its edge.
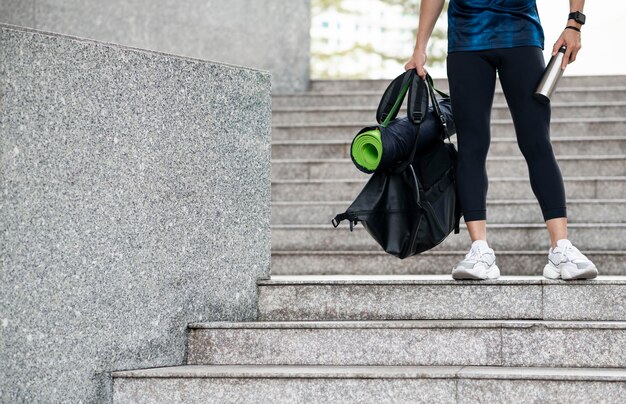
(418, 98)
(343, 216)
(435, 103)
(391, 100)
(394, 96)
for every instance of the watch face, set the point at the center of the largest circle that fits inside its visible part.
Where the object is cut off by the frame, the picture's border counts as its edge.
(578, 17)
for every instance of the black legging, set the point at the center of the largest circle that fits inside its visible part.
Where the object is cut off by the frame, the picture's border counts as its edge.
(472, 78)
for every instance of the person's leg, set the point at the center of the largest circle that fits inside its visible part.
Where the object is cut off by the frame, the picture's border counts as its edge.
(471, 76)
(557, 228)
(520, 70)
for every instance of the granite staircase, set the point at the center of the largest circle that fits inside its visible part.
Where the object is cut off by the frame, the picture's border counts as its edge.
(341, 322)
(313, 179)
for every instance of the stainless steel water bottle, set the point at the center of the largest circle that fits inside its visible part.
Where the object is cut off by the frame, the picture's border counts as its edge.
(551, 77)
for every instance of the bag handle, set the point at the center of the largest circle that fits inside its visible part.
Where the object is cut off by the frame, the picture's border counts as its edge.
(418, 98)
(436, 108)
(394, 95)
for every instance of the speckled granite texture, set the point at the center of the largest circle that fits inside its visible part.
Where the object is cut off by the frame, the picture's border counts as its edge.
(539, 391)
(135, 198)
(270, 35)
(382, 302)
(284, 391)
(590, 344)
(392, 297)
(351, 384)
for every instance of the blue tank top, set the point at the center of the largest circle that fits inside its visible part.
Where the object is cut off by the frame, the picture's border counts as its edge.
(489, 24)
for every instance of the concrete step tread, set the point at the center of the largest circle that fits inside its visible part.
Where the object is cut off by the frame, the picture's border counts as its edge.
(344, 108)
(376, 372)
(280, 280)
(326, 142)
(491, 179)
(606, 157)
(492, 225)
(567, 82)
(493, 121)
(489, 201)
(410, 324)
(360, 253)
(498, 90)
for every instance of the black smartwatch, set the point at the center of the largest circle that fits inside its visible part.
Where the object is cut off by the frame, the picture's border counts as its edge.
(578, 17)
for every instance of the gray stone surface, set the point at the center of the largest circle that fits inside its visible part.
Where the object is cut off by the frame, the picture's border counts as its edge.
(312, 372)
(567, 83)
(525, 391)
(562, 146)
(372, 98)
(389, 297)
(567, 345)
(500, 211)
(383, 383)
(499, 128)
(373, 372)
(345, 343)
(415, 342)
(432, 262)
(503, 166)
(18, 12)
(351, 113)
(270, 35)
(499, 188)
(606, 302)
(135, 192)
(587, 236)
(418, 301)
(271, 391)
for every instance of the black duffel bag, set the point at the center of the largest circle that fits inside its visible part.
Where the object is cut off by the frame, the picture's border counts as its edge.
(413, 206)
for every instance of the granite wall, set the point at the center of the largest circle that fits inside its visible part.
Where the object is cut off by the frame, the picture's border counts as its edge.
(270, 34)
(134, 199)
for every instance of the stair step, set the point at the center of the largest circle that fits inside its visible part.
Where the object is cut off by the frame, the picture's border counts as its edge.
(499, 188)
(505, 166)
(502, 211)
(267, 384)
(587, 236)
(410, 342)
(351, 113)
(345, 131)
(442, 83)
(415, 297)
(570, 145)
(430, 262)
(372, 98)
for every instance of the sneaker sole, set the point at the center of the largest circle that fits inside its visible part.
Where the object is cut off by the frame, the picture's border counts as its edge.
(550, 272)
(467, 274)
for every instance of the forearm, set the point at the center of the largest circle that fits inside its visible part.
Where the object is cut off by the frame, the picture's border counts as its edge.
(575, 5)
(429, 13)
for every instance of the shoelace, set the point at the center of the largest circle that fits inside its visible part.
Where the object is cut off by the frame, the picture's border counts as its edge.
(474, 253)
(572, 253)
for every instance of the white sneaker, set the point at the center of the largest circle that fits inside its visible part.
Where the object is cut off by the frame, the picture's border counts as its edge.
(479, 263)
(566, 262)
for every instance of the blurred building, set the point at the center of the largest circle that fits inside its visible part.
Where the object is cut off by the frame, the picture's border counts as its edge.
(366, 38)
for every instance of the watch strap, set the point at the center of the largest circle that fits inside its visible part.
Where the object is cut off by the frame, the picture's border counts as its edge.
(578, 17)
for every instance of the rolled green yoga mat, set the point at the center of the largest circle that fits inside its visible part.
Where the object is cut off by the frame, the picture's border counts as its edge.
(367, 149)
